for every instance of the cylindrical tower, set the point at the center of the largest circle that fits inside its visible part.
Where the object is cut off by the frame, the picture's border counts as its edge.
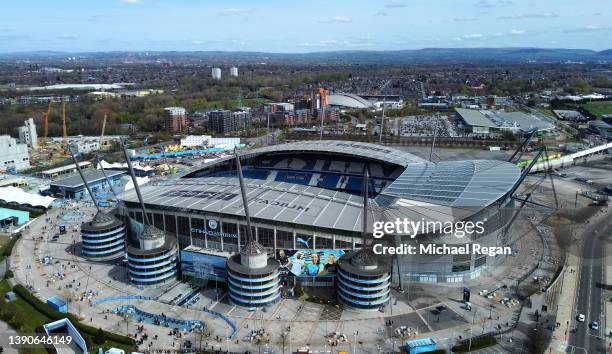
(253, 279)
(156, 258)
(363, 282)
(103, 237)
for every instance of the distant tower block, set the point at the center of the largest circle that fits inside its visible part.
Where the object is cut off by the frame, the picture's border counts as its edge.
(253, 279)
(216, 73)
(234, 71)
(103, 238)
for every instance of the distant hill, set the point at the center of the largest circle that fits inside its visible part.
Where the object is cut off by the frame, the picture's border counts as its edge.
(409, 56)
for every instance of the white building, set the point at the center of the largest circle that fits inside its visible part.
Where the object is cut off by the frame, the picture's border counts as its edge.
(86, 146)
(27, 133)
(234, 71)
(195, 140)
(216, 73)
(208, 141)
(12, 154)
(225, 143)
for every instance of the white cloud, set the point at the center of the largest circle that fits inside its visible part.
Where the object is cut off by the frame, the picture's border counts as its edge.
(465, 19)
(232, 11)
(492, 3)
(380, 13)
(517, 31)
(196, 42)
(68, 36)
(338, 19)
(529, 16)
(396, 5)
(130, 1)
(472, 36)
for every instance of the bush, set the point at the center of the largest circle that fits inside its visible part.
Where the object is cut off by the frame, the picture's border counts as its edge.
(7, 249)
(9, 274)
(477, 343)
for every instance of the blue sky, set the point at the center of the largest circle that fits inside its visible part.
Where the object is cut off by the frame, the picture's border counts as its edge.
(302, 26)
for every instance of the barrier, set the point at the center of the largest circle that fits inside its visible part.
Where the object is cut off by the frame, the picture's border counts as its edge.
(227, 320)
(120, 297)
(160, 320)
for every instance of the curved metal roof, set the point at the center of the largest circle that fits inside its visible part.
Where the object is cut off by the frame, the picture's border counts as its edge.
(348, 100)
(471, 183)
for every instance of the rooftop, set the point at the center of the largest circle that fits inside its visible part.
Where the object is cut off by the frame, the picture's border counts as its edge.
(91, 177)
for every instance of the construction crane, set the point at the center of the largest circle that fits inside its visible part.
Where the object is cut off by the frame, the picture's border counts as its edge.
(103, 127)
(64, 130)
(46, 122)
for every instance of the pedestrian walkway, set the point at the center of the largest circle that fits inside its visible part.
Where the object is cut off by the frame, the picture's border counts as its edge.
(567, 297)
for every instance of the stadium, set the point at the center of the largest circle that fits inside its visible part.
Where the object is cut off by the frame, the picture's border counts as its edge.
(305, 201)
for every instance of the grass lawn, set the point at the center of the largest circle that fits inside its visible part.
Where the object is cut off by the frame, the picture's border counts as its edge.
(599, 108)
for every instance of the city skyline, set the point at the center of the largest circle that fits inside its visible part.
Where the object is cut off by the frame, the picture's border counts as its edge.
(271, 26)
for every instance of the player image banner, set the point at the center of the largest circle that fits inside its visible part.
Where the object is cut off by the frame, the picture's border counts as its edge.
(203, 266)
(309, 263)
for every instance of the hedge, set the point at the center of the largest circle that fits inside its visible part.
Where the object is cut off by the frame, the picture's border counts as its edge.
(56, 315)
(7, 249)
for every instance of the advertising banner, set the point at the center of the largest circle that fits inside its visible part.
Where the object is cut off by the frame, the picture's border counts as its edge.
(311, 263)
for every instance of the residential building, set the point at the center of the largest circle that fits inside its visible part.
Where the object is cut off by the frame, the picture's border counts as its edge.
(176, 119)
(234, 71)
(221, 121)
(216, 73)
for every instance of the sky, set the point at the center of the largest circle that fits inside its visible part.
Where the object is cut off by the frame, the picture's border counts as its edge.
(297, 26)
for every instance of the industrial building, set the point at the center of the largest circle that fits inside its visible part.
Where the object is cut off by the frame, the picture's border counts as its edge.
(306, 196)
(176, 119)
(74, 188)
(495, 122)
(63, 170)
(13, 155)
(601, 128)
(27, 133)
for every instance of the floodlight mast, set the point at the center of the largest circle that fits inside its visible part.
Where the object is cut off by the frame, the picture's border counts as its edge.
(76, 163)
(245, 203)
(145, 218)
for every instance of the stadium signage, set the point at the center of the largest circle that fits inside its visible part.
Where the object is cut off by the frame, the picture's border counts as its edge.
(213, 230)
(282, 204)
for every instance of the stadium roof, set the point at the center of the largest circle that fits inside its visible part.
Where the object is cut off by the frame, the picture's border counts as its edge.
(268, 200)
(474, 183)
(349, 100)
(337, 147)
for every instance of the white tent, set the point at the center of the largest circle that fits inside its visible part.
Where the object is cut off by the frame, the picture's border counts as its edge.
(18, 196)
